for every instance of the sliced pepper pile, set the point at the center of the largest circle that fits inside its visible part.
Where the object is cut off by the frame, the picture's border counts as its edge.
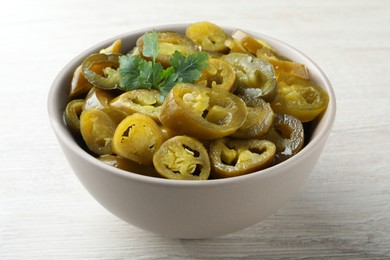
(245, 112)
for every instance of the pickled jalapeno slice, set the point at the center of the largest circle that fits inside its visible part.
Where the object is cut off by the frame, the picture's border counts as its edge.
(109, 62)
(137, 138)
(301, 98)
(145, 101)
(287, 134)
(97, 129)
(72, 114)
(255, 77)
(202, 112)
(208, 35)
(218, 74)
(233, 157)
(182, 158)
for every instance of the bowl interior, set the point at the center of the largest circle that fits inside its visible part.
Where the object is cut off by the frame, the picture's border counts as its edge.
(58, 98)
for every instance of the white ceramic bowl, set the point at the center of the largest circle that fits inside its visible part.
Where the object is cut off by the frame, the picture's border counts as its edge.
(189, 209)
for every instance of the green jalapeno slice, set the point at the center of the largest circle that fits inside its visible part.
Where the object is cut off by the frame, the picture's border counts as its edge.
(182, 158)
(233, 157)
(287, 134)
(110, 62)
(72, 114)
(202, 112)
(259, 120)
(255, 77)
(145, 101)
(301, 98)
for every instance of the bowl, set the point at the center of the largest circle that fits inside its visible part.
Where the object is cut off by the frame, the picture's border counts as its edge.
(190, 209)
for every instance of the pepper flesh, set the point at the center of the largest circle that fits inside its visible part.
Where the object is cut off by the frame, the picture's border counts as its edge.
(182, 158)
(233, 157)
(201, 112)
(145, 101)
(168, 43)
(107, 61)
(287, 134)
(259, 120)
(73, 111)
(301, 98)
(218, 74)
(255, 77)
(137, 138)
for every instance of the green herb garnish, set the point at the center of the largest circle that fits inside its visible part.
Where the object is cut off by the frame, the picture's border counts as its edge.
(137, 73)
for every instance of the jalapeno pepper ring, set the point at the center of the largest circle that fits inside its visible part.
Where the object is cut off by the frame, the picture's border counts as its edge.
(182, 158)
(108, 61)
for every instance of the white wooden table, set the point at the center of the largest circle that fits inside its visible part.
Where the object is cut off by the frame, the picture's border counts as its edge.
(343, 212)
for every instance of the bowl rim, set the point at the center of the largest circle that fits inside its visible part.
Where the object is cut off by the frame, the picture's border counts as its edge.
(62, 133)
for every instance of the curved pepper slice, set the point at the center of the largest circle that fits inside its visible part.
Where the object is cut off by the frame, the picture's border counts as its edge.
(73, 111)
(287, 134)
(108, 61)
(182, 158)
(300, 98)
(168, 43)
(232, 157)
(97, 129)
(202, 112)
(137, 138)
(218, 74)
(128, 165)
(208, 35)
(145, 101)
(259, 120)
(254, 46)
(255, 77)
(99, 99)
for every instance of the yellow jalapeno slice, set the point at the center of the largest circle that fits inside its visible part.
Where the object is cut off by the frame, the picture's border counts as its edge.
(73, 111)
(202, 112)
(255, 77)
(145, 101)
(168, 43)
(287, 133)
(233, 157)
(208, 35)
(254, 46)
(300, 98)
(100, 99)
(182, 158)
(97, 129)
(137, 138)
(218, 74)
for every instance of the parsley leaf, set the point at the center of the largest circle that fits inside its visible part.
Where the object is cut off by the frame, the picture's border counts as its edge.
(129, 71)
(189, 68)
(151, 45)
(139, 73)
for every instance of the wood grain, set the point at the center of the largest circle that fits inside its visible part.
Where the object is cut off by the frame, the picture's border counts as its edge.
(343, 212)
